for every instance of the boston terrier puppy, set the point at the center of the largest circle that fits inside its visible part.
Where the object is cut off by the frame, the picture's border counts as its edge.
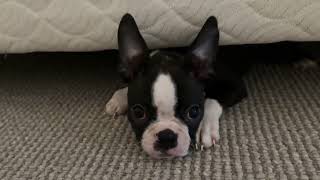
(174, 100)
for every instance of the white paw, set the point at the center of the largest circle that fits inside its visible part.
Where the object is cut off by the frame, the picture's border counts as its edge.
(207, 137)
(208, 132)
(210, 138)
(118, 104)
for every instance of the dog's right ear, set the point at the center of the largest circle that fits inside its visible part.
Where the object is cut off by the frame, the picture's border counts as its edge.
(133, 49)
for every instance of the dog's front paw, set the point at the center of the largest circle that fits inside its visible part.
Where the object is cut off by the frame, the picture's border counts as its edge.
(210, 138)
(115, 107)
(118, 104)
(208, 131)
(207, 136)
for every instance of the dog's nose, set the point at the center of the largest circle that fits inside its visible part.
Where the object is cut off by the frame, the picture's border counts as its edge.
(167, 139)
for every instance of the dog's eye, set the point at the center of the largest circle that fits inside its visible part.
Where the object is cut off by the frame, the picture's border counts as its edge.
(138, 112)
(193, 112)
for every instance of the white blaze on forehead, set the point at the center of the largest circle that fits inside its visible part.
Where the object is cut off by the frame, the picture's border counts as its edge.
(164, 96)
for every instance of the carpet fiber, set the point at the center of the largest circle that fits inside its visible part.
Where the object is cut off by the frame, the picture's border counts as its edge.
(53, 126)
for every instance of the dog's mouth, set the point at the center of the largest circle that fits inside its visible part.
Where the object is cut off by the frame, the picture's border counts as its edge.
(166, 139)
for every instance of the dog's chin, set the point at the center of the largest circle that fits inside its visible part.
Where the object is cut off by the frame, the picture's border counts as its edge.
(170, 154)
(149, 139)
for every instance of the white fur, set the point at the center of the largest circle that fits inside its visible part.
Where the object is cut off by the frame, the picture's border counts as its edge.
(164, 99)
(164, 96)
(149, 138)
(118, 104)
(208, 132)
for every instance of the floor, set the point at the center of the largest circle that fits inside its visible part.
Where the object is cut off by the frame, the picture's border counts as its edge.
(53, 125)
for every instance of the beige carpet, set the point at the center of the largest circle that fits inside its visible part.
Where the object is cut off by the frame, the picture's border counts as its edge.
(52, 126)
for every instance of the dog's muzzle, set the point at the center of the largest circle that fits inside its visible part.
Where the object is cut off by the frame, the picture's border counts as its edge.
(166, 139)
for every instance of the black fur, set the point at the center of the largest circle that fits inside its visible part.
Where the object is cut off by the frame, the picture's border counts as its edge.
(199, 71)
(133, 49)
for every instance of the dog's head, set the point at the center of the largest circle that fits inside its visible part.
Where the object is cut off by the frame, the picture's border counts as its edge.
(165, 93)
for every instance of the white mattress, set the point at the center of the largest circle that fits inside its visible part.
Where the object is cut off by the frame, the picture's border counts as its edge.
(87, 25)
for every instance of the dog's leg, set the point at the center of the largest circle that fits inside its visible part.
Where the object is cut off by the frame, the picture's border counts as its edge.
(208, 132)
(118, 104)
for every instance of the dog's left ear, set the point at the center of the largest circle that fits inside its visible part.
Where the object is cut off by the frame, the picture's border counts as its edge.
(203, 50)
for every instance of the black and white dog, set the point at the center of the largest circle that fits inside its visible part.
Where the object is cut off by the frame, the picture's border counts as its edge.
(173, 101)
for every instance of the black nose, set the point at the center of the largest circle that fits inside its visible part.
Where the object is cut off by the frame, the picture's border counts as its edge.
(167, 139)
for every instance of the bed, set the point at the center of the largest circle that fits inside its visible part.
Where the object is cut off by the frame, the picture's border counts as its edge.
(91, 25)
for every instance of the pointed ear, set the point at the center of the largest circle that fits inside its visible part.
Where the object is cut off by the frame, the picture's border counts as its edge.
(203, 50)
(133, 49)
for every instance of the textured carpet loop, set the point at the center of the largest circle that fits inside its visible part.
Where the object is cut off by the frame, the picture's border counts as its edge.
(52, 126)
